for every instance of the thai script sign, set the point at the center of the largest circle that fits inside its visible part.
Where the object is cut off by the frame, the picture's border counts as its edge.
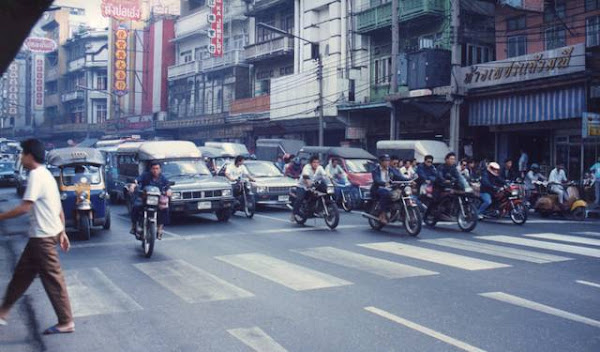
(40, 45)
(215, 33)
(528, 67)
(38, 83)
(590, 125)
(122, 9)
(13, 89)
(120, 73)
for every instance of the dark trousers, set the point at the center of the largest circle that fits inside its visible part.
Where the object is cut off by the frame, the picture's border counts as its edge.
(385, 197)
(300, 195)
(41, 257)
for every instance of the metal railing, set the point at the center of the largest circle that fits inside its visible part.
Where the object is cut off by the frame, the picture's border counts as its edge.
(277, 46)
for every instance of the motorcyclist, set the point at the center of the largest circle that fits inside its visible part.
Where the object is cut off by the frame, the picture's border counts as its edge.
(491, 183)
(312, 172)
(235, 172)
(155, 178)
(532, 176)
(557, 179)
(336, 173)
(447, 172)
(383, 175)
(508, 171)
(426, 171)
(293, 168)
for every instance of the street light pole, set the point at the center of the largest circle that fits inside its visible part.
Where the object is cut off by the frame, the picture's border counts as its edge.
(316, 55)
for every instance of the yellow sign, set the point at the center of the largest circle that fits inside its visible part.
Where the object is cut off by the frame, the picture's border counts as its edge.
(121, 44)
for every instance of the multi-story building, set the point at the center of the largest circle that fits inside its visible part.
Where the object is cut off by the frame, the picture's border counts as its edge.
(547, 79)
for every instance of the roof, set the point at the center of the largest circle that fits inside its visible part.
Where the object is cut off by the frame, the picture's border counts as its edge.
(229, 149)
(157, 150)
(210, 152)
(351, 153)
(437, 149)
(75, 155)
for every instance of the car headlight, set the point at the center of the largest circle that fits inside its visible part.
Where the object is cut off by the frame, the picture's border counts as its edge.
(152, 200)
(226, 193)
(176, 196)
(407, 190)
(261, 189)
(330, 189)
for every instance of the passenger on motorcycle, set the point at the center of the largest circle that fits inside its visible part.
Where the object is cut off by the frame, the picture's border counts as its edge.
(383, 175)
(235, 171)
(312, 172)
(155, 178)
(395, 163)
(336, 173)
(491, 183)
(557, 179)
(293, 168)
(532, 176)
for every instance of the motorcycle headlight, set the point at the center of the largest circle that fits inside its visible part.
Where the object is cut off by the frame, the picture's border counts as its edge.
(63, 196)
(514, 193)
(468, 190)
(407, 191)
(152, 200)
(83, 195)
(83, 180)
(261, 189)
(176, 196)
(330, 189)
(226, 193)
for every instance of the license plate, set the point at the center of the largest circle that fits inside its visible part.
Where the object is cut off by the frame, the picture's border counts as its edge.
(204, 205)
(283, 198)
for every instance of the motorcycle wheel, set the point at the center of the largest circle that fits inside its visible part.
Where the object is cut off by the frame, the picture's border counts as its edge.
(375, 225)
(223, 215)
(518, 215)
(429, 219)
(579, 213)
(148, 239)
(469, 222)
(333, 219)
(413, 222)
(249, 207)
(106, 225)
(347, 203)
(84, 227)
(300, 218)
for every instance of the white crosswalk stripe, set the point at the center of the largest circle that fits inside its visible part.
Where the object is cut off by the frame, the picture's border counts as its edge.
(522, 302)
(381, 267)
(256, 339)
(92, 293)
(191, 283)
(588, 283)
(438, 257)
(565, 238)
(589, 252)
(287, 274)
(499, 251)
(587, 233)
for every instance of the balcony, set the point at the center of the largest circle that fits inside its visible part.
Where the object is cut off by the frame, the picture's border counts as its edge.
(251, 105)
(72, 96)
(380, 16)
(81, 63)
(182, 70)
(267, 5)
(79, 127)
(197, 23)
(52, 100)
(273, 48)
(230, 58)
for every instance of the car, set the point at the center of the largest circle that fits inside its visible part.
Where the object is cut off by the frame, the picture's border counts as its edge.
(7, 173)
(21, 175)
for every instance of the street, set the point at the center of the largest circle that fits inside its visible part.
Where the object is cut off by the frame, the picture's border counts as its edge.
(264, 284)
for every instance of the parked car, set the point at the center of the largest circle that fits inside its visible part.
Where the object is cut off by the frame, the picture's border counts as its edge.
(7, 173)
(195, 190)
(21, 175)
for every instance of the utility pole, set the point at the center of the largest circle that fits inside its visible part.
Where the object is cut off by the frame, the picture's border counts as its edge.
(395, 50)
(456, 63)
(320, 79)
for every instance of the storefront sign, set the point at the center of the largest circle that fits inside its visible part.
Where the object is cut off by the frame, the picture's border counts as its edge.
(122, 9)
(138, 122)
(590, 125)
(38, 83)
(356, 133)
(13, 89)
(40, 45)
(215, 33)
(555, 62)
(120, 73)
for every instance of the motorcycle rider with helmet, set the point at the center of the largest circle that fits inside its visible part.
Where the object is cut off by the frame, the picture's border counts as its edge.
(491, 183)
(383, 175)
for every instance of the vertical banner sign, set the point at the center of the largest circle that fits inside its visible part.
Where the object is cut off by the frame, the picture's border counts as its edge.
(38, 89)
(215, 33)
(122, 9)
(13, 89)
(120, 85)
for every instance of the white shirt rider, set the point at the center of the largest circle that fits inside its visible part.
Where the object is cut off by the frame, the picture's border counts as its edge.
(234, 173)
(557, 176)
(313, 175)
(337, 173)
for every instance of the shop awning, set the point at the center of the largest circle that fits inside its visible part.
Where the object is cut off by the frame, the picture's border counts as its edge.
(555, 104)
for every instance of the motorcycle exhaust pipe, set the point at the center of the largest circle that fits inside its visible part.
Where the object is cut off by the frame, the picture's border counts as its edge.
(289, 206)
(369, 216)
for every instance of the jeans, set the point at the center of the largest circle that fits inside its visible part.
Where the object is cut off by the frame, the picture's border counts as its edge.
(384, 196)
(486, 202)
(300, 195)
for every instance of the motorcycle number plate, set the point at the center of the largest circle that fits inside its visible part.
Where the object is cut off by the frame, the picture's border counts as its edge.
(283, 198)
(204, 205)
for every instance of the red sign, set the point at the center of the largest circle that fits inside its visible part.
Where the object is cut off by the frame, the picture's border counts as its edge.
(122, 9)
(38, 88)
(40, 45)
(120, 66)
(13, 89)
(215, 33)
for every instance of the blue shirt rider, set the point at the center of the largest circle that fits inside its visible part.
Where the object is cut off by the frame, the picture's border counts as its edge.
(383, 175)
(155, 178)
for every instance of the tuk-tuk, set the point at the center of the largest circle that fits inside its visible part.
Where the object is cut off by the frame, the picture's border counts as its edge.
(82, 188)
(270, 149)
(111, 173)
(415, 149)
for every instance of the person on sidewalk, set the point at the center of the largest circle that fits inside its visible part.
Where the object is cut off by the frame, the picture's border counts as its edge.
(40, 256)
(595, 169)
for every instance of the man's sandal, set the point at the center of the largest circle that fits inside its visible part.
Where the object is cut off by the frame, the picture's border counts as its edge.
(3, 322)
(54, 330)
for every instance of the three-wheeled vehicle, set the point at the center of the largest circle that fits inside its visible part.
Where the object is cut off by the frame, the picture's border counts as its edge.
(82, 188)
(270, 149)
(111, 173)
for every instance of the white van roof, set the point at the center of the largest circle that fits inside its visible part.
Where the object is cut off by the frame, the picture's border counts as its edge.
(158, 150)
(437, 149)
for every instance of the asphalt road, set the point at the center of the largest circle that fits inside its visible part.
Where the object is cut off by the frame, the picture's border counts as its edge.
(264, 284)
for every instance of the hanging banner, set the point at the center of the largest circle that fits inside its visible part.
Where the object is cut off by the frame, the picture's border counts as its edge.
(129, 10)
(215, 33)
(120, 50)
(38, 83)
(13, 89)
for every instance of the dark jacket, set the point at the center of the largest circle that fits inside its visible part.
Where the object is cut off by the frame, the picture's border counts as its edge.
(509, 174)
(448, 173)
(395, 175)
(426, 173)
(490, 183)
(146, 179)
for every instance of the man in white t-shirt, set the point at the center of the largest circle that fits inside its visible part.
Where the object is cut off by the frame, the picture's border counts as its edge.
(40, 257)
(313, 171)
(557, 179)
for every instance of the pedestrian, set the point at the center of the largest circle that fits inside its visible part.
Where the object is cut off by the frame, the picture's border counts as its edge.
(523, 161)
(595, 169)
(47, 229)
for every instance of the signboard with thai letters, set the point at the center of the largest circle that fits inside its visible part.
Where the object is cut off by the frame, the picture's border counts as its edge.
(129, 10)
(215, 32)
(544, 64)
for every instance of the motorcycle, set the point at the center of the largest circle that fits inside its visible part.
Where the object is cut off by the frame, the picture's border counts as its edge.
(345, 197)
(456, 203)
(245, 200)
(318, 203)
(146, 228)
(509, 201)
(404, 209)
(547, 204)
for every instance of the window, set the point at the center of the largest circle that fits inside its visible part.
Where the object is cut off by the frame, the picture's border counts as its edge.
(592, 31)
(516, 46)
(101, 81)
(265, 87)
(287, 70)
(426, 42)
(383, 71)
(101, 112)
(77, 11)
(263, 34)
(554, 9)
(186, 56)
(478, 54)
(516, 23)
(51, 87)
(555, 38)
(592, 5)
(287, 24)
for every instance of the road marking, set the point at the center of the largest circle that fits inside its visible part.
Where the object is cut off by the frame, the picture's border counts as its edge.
(587, 233)
(191, 283)
(273, 218)
(430, 255)
(522, 302)
(499, 251)
(381, 267)
(92, 293)
(172, 234)
(565, 238)
(588, 283)
(257, 339)
(424, 330)
(590, 252)
(287, 274)
(303, 229)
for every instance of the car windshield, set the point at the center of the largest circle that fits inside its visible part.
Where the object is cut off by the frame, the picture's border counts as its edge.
(73, 175)
(6, 167)
(176, 168)
(359, 165)
(263, 169)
